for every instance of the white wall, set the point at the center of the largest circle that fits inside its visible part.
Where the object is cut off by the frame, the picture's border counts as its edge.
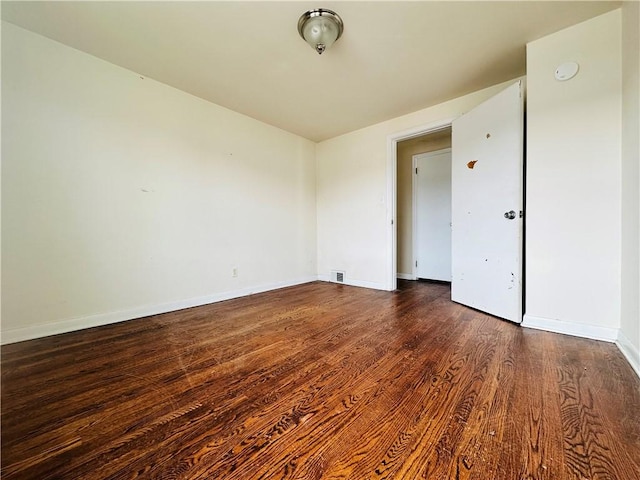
(352, 189)
(629, 339)
(573, 181)
(123, 197)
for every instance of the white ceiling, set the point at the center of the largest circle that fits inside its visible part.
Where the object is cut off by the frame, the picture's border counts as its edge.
(393, 58)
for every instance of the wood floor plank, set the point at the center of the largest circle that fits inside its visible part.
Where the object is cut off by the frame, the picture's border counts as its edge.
(585, 418)
(319, 381)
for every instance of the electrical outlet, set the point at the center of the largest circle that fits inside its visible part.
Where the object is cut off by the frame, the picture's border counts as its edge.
(234, 272)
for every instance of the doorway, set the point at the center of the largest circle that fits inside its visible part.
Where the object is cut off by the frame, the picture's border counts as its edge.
(487, 203)
(415, 247)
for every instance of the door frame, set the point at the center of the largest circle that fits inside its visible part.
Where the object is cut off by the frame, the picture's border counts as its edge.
(414, 207)
(392, 189)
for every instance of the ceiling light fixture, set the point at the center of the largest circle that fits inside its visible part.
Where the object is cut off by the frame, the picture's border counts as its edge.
(320, 28)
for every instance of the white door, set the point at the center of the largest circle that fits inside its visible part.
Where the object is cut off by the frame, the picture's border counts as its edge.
(433, 215)
(487, 201)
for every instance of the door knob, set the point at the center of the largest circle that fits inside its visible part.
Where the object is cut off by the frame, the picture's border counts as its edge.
(510, 215)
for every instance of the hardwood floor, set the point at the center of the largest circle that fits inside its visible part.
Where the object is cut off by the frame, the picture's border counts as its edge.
(319, 381)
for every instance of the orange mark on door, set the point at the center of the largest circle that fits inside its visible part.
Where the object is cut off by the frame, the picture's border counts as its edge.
(472, 164)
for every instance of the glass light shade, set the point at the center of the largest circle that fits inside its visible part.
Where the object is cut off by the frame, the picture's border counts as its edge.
(320, 28)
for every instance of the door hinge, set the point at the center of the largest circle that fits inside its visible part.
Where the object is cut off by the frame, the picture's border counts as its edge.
(392, 221)
(416, 263)
(416, 170)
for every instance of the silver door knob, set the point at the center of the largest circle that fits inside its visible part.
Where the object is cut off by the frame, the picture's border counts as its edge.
(510, 215)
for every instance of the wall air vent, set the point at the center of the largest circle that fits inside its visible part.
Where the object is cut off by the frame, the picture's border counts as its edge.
(337, 276)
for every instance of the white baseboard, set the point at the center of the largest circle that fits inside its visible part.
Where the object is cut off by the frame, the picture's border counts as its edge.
(64, 326)
(630, 352)
(355, 283)
(405, 276)
(569, 328)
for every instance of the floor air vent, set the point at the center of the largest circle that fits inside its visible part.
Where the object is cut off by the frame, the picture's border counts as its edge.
(337, 276)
